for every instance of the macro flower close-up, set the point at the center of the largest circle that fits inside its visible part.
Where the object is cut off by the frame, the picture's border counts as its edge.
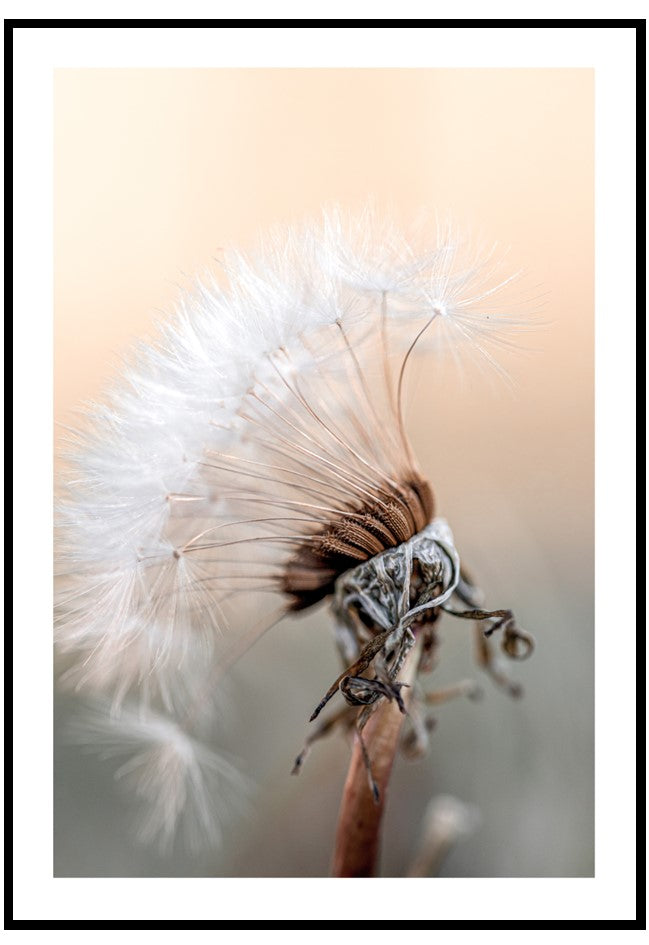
(253, 462)
(321, 517)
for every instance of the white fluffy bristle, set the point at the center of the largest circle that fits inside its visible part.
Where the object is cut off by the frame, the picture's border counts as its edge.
(264, 409)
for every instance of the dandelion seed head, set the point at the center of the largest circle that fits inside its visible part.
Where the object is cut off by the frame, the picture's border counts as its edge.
(247, 457)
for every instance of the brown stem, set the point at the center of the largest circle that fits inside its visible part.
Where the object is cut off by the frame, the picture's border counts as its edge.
(356, 849)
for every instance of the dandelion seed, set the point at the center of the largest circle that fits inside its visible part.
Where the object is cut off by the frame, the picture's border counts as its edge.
(183, 787)
(252, 462)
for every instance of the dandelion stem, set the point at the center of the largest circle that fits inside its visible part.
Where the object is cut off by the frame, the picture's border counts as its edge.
(357, 844)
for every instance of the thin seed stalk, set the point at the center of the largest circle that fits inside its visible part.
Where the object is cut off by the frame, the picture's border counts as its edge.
(357, 844)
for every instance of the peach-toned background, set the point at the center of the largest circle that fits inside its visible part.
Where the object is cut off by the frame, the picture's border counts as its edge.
(155, 170)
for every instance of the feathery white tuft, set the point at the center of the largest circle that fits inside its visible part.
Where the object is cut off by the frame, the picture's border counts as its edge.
(183, 786)
(265, 409)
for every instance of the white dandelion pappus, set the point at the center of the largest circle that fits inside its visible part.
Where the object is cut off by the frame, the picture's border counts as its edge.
(175, 777)
(257, 450)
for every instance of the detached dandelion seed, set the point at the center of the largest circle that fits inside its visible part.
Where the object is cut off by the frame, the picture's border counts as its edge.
(258, 451)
